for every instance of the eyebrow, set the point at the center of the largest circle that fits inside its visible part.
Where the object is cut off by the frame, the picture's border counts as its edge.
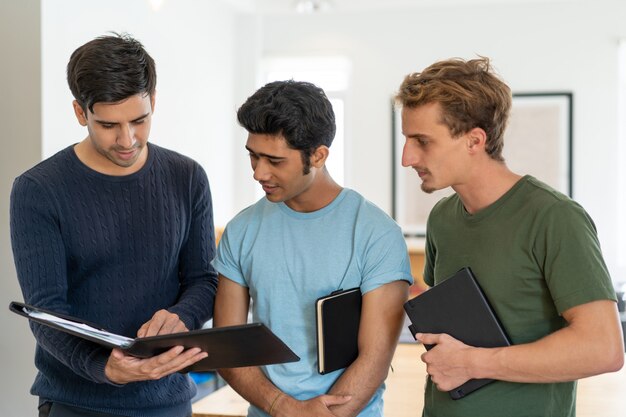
(117, 123)
(416, 136)
(265, 155)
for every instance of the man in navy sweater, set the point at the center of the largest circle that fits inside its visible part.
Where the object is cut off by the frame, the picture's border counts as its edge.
(118, 232)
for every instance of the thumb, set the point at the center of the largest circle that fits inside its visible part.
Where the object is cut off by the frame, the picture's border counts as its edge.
(117, 354)
(427, 338)
(335, 399)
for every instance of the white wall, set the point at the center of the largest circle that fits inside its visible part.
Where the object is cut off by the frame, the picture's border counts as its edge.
(20, 118)
(192, 43)
(247, 53)
(570, 46)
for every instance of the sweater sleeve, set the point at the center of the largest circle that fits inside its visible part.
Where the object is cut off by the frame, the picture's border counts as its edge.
(40, 262)
(198, 279)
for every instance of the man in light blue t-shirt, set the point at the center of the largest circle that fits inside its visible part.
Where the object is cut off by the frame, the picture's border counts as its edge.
(306, 238)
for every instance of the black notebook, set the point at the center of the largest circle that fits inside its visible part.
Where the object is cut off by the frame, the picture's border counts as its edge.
(228, 347)
(338, 317)
(458, 307)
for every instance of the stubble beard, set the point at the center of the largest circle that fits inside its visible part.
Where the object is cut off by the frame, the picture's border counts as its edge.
(110, 155)
(427, 189)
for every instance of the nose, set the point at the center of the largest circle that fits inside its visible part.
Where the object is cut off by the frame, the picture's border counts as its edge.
(261, 171)
(126, 137)
(410, 155)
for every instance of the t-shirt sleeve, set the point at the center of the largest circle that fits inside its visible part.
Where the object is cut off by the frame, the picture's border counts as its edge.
(573, 265)
(429, 261)
(430, 248)
(386, 260)
(227, 261)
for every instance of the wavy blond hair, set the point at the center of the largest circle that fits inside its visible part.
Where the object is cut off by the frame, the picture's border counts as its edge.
(470, 94)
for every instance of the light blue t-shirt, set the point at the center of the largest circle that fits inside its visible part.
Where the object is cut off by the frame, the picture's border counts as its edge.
(289, 259)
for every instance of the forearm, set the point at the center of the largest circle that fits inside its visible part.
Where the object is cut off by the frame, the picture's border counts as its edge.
(231, 308)
(196, 300)
(84, 358)
(381, 322)
(561, 356)
(360, 381)
(252, 384)
(591, 344)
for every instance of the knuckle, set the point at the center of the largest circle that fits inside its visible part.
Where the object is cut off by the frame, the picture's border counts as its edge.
(154, 374)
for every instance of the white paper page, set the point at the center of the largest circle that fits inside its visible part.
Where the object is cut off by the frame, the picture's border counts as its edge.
(115, 339)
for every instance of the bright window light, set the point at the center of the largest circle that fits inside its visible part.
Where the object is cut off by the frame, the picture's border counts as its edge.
(621, 111)
(332, 74)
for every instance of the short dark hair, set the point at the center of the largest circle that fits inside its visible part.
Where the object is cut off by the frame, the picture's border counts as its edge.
(470, 93)
(110, 69)
(297, 110)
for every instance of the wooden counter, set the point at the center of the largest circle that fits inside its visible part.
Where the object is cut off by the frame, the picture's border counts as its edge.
(416, 257)
(601, 395)
(224, 402)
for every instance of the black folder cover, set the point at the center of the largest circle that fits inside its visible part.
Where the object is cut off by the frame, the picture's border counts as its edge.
(458, 307)
(338, 317)
(228, 347)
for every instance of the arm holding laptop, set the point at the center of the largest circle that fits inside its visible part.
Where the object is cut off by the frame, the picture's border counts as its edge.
(590, 344)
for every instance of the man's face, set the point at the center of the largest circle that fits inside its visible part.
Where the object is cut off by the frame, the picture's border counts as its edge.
(118, 132)
(278, 168)
(430, 149)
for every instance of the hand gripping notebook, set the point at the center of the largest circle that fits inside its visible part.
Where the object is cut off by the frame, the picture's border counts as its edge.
(458, 307)
(228, 347)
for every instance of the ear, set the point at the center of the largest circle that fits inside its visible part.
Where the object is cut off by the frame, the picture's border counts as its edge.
(80, 114)
(318, 159)
(476, 139)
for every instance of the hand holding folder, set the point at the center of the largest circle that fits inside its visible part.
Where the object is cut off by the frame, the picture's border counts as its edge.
(228, 347)
(458, 307)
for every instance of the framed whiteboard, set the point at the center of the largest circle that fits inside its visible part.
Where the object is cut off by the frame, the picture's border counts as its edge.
(537, 141)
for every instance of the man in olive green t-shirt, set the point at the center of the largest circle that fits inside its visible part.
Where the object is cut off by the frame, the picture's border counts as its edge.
(534, 251)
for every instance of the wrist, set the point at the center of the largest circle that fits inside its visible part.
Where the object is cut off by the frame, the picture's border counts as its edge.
(109, 376)
(479, 360)
(280, 405)
(272, 408)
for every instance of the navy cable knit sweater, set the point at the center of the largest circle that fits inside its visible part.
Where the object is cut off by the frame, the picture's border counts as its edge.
(112, 251)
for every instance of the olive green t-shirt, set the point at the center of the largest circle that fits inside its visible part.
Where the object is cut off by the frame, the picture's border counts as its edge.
(535, 253)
